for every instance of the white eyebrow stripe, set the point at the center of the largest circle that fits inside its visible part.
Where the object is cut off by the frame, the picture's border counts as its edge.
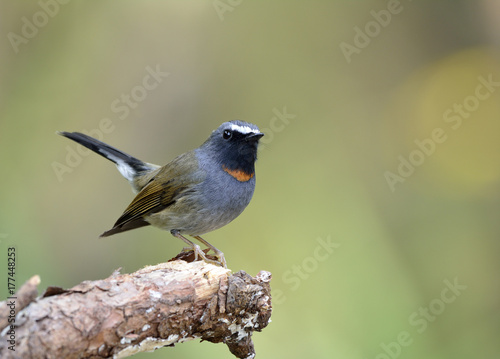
(243, 129)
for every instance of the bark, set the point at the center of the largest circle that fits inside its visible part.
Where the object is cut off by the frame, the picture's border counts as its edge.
(154, 307)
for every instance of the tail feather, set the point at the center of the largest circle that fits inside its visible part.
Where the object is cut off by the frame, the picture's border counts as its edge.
(128, 166)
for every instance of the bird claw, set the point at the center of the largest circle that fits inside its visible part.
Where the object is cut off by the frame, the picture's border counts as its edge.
(220, 256)
(199, 253)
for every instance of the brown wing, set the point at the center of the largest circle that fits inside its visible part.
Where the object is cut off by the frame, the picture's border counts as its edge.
(160, 193)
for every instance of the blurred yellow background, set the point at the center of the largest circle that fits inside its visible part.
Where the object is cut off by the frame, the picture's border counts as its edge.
(377, 199)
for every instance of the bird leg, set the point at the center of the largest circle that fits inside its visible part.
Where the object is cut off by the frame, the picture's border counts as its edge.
(218, 253)
(196, 249)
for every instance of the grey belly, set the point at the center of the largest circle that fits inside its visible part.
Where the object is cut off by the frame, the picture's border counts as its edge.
(208, 207)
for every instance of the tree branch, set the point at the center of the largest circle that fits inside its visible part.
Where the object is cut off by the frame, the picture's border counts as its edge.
(154, 307)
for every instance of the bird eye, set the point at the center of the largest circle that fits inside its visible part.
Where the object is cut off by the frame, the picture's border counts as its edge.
(227, 135)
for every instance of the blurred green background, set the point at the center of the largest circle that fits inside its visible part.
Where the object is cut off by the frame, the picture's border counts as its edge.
(377, 199)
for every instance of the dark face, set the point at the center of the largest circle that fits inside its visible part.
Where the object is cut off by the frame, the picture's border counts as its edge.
(235, 144)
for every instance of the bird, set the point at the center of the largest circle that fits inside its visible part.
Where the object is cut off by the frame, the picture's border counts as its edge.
(197, 192)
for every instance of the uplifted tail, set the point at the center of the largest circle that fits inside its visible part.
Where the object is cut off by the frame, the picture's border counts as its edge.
(130, 167)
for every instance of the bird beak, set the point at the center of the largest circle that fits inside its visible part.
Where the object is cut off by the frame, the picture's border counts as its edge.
(254, 136)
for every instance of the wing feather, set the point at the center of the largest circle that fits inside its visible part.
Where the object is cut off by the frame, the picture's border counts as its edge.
(163, 190)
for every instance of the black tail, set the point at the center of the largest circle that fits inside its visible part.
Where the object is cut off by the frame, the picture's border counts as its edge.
(128, 166)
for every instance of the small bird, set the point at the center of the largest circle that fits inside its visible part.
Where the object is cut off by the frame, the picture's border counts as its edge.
(198, 192)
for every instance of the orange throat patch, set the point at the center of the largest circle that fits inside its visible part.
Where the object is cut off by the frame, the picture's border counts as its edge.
(239, 174)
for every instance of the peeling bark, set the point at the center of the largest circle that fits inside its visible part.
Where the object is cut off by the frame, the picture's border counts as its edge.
(154, 307)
